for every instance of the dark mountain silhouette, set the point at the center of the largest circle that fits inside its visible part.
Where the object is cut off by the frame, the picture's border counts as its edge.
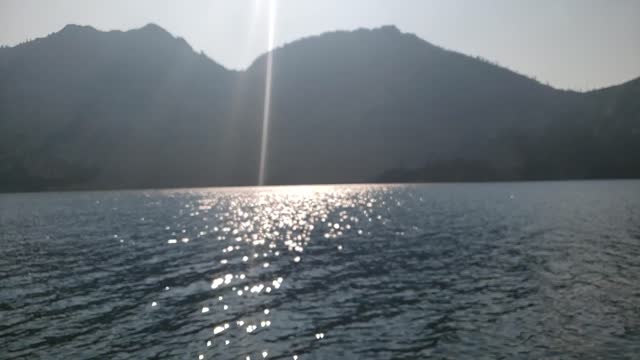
(88, 109)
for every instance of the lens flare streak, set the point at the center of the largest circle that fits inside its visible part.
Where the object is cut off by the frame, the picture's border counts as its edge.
(267, 94)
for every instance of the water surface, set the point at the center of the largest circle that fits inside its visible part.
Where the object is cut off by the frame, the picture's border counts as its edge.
(522, 270)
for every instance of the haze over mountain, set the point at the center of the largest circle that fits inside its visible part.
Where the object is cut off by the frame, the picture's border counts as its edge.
(88, 109)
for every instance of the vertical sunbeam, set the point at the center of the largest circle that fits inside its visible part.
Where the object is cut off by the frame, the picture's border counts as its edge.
(267, 94)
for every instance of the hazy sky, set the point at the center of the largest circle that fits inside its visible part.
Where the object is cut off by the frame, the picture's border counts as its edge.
(579, 44)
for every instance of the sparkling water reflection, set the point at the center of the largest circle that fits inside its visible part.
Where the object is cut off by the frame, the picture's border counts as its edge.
(513, 270)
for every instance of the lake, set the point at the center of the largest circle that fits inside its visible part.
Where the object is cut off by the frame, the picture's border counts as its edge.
(495, 270)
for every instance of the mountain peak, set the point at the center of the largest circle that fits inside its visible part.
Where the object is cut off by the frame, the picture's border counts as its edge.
(75, 28)
(152, 27)
(388, 29)
(154, 31)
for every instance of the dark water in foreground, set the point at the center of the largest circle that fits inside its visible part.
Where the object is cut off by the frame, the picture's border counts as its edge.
(529, 270)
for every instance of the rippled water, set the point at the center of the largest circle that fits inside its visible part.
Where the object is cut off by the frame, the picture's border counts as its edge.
(528, 270)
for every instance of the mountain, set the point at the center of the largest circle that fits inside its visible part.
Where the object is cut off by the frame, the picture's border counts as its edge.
(598, 139)
(83, 109)
(371, 100)
(596, 135)
(126, 109)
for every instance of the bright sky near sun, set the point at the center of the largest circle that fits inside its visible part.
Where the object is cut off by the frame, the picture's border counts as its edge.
(578, 44)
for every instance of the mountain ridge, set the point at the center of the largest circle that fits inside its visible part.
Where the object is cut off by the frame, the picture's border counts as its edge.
(387, 27)
(141, 108)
